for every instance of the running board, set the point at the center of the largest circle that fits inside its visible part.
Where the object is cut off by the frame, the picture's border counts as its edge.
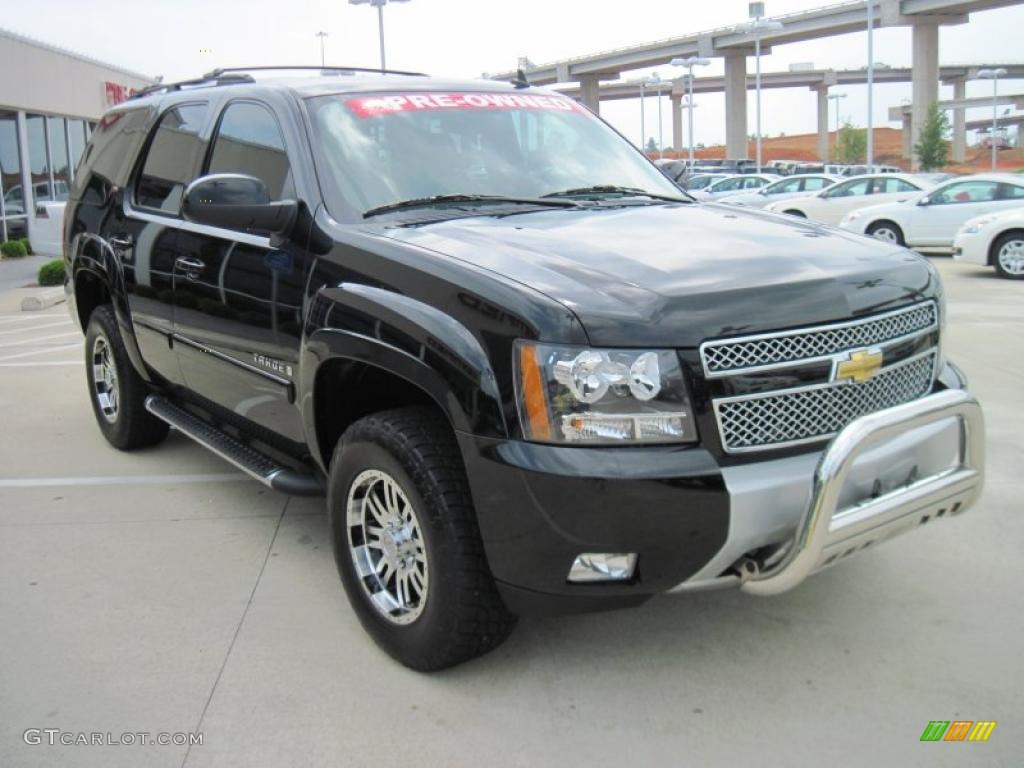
(246, 458)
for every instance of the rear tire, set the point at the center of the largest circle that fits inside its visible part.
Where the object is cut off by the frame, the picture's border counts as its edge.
(407, 544)
(887, 232)
(116, 391)
(1008, 256)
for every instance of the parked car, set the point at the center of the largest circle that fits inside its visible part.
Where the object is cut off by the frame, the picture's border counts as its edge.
(928, 221)
(783, 189)
(701, 180)
(730, 185)
(830, 205)
(47, 236)
(529, 376)
(674, 169)
(994, 239)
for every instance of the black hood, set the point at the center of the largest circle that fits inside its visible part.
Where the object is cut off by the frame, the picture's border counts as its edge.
(675, 275)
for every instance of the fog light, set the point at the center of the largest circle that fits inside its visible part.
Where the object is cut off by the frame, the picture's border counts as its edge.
(603, 566)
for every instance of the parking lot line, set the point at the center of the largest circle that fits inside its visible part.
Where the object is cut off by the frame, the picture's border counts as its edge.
(39, 482)
(28, 316)
(39, 363)
(24, 329)
(26, 342)
(40, 351)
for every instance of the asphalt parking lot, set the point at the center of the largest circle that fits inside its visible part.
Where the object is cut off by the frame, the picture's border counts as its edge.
(162, 591)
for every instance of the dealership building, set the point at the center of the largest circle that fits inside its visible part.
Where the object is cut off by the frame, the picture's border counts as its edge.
(50, 99)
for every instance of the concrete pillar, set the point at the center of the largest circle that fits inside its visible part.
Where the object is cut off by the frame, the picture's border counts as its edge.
(590, 93)
(925, 75)
(676, 99)
(908, 141)
(822, 122)
(959, 122)
(736, 105)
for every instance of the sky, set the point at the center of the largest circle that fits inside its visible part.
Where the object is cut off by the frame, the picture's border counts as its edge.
(180, 39)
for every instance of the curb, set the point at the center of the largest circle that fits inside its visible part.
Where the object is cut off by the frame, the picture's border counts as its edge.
(43, 299)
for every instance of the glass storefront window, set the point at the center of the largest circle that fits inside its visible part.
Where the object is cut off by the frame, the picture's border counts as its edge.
(12, 204)
(59, 157)
(38, 157)
(76, 137)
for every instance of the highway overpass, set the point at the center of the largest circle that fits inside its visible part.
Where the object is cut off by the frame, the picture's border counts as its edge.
(734, 45)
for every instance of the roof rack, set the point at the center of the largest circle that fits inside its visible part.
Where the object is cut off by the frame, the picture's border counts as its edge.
(236, 75)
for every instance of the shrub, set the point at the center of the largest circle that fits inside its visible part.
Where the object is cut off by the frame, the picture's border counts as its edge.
(13, 248)
(28, 245)
(52, 273)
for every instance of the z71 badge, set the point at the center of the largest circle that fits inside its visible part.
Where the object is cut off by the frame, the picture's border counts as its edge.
(277, 366)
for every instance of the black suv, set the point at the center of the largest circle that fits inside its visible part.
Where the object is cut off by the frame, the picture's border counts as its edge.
(528, 373)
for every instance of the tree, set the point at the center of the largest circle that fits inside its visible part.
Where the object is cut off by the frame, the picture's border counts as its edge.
(932, 148)
(652, 145)
(851, 144)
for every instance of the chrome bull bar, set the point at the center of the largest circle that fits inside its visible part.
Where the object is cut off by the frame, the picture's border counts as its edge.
(827, 534)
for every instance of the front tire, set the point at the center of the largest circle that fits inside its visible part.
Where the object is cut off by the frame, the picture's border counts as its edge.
(887, 232)
(1008, 256)
(407, 544)
(116, 391)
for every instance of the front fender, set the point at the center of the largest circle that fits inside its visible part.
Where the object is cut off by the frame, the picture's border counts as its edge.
(410, 339)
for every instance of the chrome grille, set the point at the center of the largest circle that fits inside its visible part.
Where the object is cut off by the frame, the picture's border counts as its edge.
(817, 412)
(770, 350)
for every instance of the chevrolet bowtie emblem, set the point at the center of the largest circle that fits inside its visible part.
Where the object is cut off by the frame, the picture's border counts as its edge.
(859, 366)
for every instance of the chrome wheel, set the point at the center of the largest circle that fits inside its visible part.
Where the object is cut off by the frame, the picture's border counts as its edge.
(386, 546)
(104, 378)
(1011, 257)
(888, 234)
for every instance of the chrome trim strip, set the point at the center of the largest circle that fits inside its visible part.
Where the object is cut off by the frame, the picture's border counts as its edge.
(796, 390)
(814, 329)
(822, 531)
(171, 222)
(228, 359)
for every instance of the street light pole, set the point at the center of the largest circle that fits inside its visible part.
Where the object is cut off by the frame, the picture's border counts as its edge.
(379, 5)
(690, 63)
(993, 75)
(871, 86)
(757, 26)
(321, 34)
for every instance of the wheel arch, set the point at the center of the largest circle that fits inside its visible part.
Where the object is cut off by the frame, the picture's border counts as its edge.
(995, 241)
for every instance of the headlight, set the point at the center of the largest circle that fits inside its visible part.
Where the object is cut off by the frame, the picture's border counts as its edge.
(601, 396)
(973, 227)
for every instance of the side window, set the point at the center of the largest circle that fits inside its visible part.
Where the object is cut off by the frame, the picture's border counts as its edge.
(814, 184)
(727, 185)
(110, 154)
(173, 158)
(792, 185)
(965, 192)
(754, 183)
(248, 141)
(905, 186)
(1011, 192)
(850, 189)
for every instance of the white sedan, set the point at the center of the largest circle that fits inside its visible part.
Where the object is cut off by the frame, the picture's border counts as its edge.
(995, 239)
(783, 189)
(830, 205)
(929, 221)
(730, 185)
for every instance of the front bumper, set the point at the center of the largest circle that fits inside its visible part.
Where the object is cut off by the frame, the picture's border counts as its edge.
(695, 524)
(972, 248)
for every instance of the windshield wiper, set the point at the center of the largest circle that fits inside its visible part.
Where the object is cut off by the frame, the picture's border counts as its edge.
(423, 202)
(614, 189)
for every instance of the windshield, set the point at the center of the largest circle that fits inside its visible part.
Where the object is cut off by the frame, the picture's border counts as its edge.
(385, 148)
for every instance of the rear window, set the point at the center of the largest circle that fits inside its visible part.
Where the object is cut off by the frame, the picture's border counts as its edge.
(110, 154)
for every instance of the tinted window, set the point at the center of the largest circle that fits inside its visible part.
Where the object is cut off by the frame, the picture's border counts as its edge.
(173, 158)
(111, 152)
(249, 141)
(965, 192)
(813, 184)
(850, 188)
(1011, 192)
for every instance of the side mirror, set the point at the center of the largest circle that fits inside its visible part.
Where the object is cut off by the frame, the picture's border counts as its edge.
(924, 201)
(238, 202)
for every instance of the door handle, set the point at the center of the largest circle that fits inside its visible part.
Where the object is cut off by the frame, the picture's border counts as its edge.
(120, 242)
(191, 267)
